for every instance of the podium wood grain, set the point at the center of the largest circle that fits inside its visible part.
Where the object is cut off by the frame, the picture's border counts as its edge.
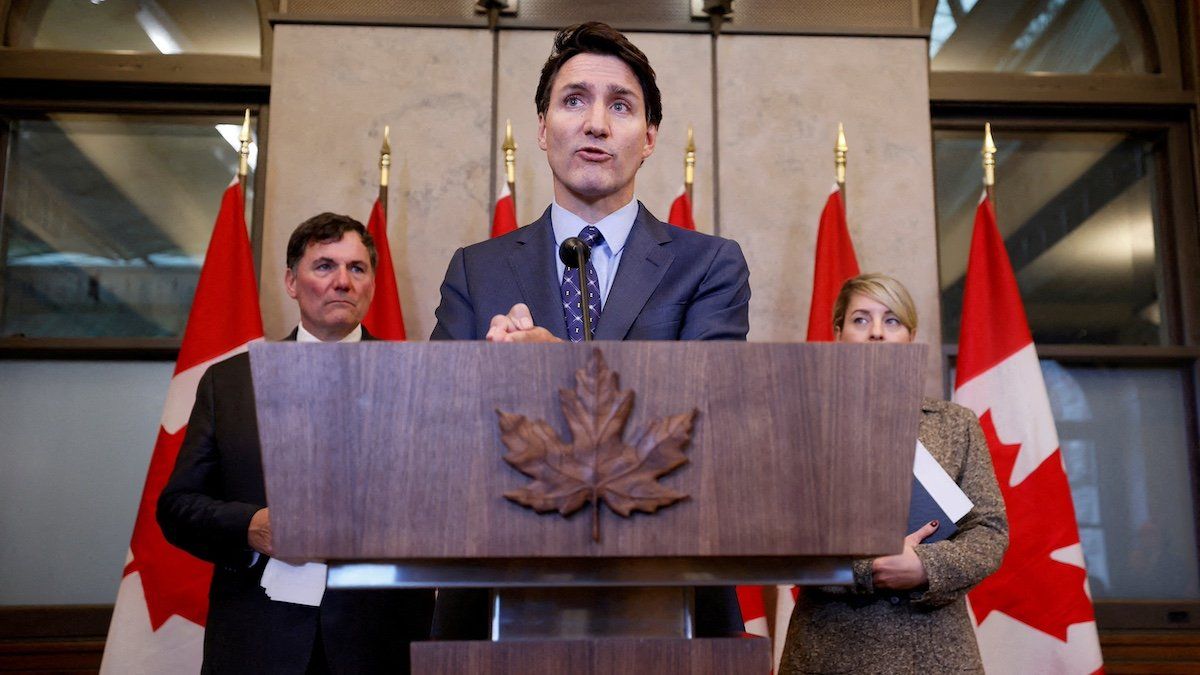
(387, 451)
(728, 656)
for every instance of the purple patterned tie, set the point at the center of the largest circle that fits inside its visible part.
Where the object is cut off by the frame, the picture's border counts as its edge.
(572, 312)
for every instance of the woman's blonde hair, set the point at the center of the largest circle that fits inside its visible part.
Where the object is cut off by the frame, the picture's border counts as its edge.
(882, 289)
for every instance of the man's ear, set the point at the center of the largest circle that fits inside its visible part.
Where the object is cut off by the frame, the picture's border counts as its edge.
(542, 131)
(289, 282)
(651, 140)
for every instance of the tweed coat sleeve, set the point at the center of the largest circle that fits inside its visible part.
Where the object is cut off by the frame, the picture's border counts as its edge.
(956, 565)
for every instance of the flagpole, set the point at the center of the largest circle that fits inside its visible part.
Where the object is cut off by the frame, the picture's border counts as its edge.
(989, 163)
(510, 162)
(385, 165)
(689, 164)
(244, 155)
(839, 162)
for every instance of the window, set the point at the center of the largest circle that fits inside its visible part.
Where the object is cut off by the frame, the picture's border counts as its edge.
(1093, 115)
(106, 221)
(1037, 36)
(118, 127)
(147, 26)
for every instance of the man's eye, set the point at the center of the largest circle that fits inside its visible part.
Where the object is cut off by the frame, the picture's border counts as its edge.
(573, 101)
(621, 106)
(323, 267)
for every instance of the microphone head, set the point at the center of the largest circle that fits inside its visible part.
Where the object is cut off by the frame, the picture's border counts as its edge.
(573, 252)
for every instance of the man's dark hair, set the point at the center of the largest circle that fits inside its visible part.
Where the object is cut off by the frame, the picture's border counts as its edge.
(326, 227)
(594, 37)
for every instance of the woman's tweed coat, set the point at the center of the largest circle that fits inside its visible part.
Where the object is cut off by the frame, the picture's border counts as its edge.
(858, 629)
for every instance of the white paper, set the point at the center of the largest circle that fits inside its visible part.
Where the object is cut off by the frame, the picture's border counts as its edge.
(302, 584)
(940, 485)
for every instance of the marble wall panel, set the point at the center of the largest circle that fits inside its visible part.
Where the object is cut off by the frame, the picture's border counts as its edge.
(778, 125)
(333, 90)
(683, 66)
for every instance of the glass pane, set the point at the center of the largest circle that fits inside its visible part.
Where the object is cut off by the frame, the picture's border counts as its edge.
(148, 26)
(1036, 36)
(1126, 452)
(106, 222)
(1078, 215)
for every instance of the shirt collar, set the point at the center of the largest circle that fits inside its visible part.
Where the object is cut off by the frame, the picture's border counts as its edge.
(615, 226)
(305, 336)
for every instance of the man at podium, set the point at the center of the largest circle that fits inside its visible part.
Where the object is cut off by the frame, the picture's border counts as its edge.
(214, 505)
(599, 110)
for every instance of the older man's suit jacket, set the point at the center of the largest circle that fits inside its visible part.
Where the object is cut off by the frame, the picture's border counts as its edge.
(205, 509)
(671, 284)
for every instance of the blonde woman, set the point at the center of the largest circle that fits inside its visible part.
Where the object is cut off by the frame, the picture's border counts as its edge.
(906, 613)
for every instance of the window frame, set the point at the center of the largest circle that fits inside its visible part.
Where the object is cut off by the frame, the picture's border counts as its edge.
(1163, 28)
(42, 81)
(19, 63)
(1177, 252)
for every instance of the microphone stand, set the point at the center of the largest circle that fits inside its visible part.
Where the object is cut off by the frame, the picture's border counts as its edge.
(575, 254)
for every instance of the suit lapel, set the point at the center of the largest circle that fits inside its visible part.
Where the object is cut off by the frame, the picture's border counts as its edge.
(532, 263)
(643, 265)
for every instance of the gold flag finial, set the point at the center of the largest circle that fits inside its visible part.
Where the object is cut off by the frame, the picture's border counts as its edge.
(510, 155)
(244, 148)
(989, 156)
(385, 156)
(839, 155)
(689, 159)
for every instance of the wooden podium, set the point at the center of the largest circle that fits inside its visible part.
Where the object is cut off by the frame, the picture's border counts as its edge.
(386, 459)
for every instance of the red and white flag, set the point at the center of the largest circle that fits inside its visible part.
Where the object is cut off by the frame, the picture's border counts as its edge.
(504, 217)
(162, 603)
(835, 263)
(681, 211)
(1034, 615)
(384, 319)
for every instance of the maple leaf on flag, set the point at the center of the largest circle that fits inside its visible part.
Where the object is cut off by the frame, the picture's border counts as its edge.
(597, 464)
(1030, 586)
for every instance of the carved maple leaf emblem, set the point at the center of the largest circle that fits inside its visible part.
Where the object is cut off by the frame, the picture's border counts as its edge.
(1030, 586)
(597, 464)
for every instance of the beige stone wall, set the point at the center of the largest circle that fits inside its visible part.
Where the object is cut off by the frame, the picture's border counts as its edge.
(333, 90)
(777, 129)
(780, 99)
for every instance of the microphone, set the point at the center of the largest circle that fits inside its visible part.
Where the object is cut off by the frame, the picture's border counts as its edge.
(575, 254)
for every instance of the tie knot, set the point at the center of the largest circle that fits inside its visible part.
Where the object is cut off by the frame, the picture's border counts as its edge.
(591, 236)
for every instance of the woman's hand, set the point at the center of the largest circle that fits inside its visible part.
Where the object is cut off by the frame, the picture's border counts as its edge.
(903, 571)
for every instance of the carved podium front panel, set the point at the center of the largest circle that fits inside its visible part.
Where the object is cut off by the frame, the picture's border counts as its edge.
(389, 461)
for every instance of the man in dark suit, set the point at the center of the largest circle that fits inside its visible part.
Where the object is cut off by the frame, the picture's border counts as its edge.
(599, 109)
(214, 505)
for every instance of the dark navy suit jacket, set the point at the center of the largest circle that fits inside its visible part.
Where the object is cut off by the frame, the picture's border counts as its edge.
(205, 509)
(671, 284)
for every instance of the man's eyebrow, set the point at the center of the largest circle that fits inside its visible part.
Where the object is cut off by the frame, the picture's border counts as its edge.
(622, 91)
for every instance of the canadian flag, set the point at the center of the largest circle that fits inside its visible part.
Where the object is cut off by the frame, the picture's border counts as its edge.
(504, 217)
(1034, 614)
(834, 263)
(681, 211)
(384, 319)
(162, 602)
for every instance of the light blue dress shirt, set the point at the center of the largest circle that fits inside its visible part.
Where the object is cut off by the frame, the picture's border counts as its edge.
(606, 257)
